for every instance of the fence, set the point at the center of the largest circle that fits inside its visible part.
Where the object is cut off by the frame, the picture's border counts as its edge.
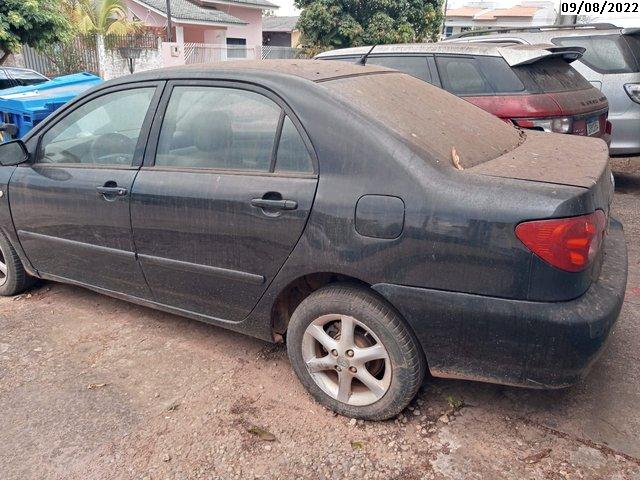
(81, 53)
(78, 55)
(210, 53)
(270, 52)
(105, 56)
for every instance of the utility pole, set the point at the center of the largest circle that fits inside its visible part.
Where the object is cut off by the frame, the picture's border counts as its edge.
(444, 18)
(169, 26)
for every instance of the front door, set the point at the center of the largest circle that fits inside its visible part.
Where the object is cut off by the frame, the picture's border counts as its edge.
(222, 199)
(70, 204)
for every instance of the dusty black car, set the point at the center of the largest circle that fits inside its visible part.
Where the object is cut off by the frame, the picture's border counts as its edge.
(321, 202)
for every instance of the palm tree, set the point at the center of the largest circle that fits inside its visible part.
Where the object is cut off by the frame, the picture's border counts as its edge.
(103, 17)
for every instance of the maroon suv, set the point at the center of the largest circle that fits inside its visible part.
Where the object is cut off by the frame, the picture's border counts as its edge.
(533, 86)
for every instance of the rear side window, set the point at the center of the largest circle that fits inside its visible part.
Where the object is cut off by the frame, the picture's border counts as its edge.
(477, 76)
(292, 155)
(414, 66)
(551, 76)
(462, 76)
(607, 53)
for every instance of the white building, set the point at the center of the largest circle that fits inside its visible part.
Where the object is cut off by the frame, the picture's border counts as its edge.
(482, 15)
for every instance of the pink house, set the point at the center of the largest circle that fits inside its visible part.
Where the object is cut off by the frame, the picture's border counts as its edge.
(219, 22)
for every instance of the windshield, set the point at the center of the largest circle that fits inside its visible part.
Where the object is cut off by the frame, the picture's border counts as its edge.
(427, 117)
(607, 53)
(26, 77)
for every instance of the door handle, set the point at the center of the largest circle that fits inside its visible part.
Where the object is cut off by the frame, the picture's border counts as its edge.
(274, 204)
(112, 191)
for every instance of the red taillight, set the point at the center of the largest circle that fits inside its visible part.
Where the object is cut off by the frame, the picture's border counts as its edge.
(570, 244)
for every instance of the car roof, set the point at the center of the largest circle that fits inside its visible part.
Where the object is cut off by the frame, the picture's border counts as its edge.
(313, 70)
(513, 54)
(537, 34)
(472, 48)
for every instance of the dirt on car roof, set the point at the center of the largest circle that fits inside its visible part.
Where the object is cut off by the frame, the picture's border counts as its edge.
(314, 70)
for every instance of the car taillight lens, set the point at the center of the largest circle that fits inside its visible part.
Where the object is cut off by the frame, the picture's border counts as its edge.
(633, 90)
(569, 244)
(557, 124)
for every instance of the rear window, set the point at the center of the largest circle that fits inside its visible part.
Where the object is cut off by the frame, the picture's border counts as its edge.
(607, 53)
(551, 76)
(428, 118)
(477, 75)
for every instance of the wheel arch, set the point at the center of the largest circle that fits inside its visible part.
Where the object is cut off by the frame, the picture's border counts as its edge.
(297, 290)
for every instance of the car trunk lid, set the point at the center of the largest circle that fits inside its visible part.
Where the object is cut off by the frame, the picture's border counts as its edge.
(548, 158)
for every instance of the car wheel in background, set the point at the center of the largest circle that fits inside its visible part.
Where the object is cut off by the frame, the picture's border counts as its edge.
(353, 352)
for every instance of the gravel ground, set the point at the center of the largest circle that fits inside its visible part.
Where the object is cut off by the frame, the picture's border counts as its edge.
(92, 387)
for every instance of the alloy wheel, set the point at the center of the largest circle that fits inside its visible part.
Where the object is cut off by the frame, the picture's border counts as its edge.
(346, 359)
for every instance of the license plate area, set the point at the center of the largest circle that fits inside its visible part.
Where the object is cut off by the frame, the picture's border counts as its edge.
(593, 126)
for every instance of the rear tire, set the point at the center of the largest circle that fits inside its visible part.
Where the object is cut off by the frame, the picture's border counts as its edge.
(371, 372)
(13, 277)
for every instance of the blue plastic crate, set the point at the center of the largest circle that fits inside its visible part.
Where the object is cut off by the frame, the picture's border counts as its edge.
(28, 106)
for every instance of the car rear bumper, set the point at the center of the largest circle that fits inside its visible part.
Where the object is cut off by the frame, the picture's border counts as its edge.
(514, 342)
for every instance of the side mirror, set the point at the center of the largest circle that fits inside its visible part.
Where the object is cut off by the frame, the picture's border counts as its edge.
(13, 153)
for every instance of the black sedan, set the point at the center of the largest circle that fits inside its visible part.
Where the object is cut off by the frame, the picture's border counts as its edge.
(380, 225)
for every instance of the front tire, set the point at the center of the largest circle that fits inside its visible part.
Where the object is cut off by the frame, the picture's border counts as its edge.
(353, 352)
(13, 277)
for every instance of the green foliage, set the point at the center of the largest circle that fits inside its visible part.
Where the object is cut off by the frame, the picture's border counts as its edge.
(103, 17)
(327, 24)
(36, 23)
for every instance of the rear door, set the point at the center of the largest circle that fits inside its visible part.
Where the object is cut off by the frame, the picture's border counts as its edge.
(70, 204)
(222, 198)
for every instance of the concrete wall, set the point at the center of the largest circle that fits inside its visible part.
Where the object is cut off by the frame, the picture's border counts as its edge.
(112, 65)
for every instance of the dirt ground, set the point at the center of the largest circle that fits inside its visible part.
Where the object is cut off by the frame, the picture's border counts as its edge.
(95, 388)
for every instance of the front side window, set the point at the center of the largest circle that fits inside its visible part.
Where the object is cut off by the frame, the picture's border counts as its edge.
(222, 128)
(103, 131)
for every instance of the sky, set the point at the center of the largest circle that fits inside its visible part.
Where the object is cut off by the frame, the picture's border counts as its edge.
(286, 8)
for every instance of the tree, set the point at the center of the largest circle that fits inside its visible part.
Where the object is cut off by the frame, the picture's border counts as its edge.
(103, 17)
(36, 23)
(329, 24)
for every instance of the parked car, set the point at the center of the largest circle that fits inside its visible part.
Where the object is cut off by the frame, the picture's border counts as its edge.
(532, 86)
(19, 77)
(611, 63)
(290, 199)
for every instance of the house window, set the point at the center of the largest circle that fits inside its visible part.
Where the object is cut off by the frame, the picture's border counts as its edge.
(448, 31)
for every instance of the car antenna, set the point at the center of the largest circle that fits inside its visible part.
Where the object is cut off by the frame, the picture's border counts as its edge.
(363, 59)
